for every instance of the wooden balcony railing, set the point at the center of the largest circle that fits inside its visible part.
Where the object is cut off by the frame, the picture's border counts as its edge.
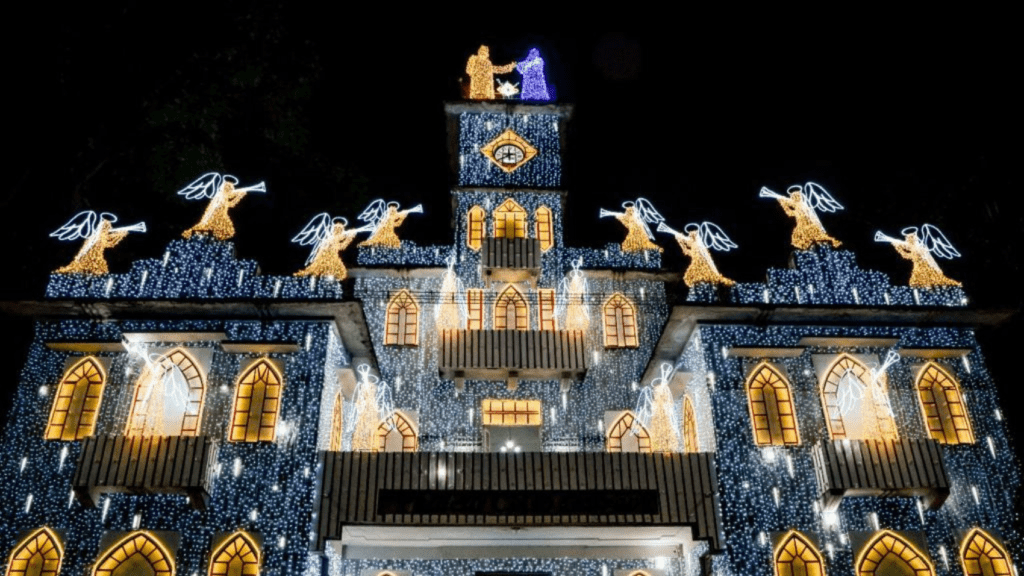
(510, 259)
(499, 354)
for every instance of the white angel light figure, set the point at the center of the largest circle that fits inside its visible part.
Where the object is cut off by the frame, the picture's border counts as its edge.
(801, 204)
(383, 218)
(99, 234)
(695, 240)
(635, 218)
(222, 194)
(656, 410)
(573, 290)
(329, 239)
(449, 312)
(918, 246)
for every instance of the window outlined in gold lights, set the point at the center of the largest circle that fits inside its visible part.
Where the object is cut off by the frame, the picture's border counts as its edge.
(38, 554)
(139, 552)
(398, 423)
(498, 412)
(796, 555)
(942, 405)
(619, 322)
(257, 403)
(511, 312)
(546, 309)
(238, 555)
(690, 443)
(982, 555)
(337, 422)
(508, 151)
(627, 434)
(73, 415)
(509, 220)
(146, 405)
(403, 315)
(474, 309)
(475, 218)
(889, 554)
(772, 413)
(544, 228)
(867, 417)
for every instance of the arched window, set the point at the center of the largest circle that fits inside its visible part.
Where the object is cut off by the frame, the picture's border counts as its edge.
(257, 401)
(889, 554)
(511, 311)
(771, 407)
(619, 322)
(337, 422)
(39, 554)
(238, 555)
(397, 434)
(795, 555)
(545, 228)
(509, 220)
(168, 397)
(475, 227)
(943, 408)
(627, 435)
(856, 406)
(690, 443)
(983, 556)
(403, 320)
(137, 553)
(73, 416)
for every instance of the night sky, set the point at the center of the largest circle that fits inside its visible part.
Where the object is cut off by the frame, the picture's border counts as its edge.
(114, 109)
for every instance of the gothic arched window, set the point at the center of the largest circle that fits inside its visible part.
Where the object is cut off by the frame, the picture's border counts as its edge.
(856, 405)
(73, 415)
(337, 422)
(690, 443)
(619, 322)
(545, 228)
(238, 555)
(38, 554)
(397, 434)
(511, 312)
(889, 554)
(943, 407)
(771, 407)
(403, 320)
(138, 553)
(475, 227)
(983, 556)
(257, 401)
(627, 435)
(168, 397)
(509, 220)
(795, 555)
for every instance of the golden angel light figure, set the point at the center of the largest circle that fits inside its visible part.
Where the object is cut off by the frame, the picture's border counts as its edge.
(696, 240)
(918, 246)
(481, 74)
(223, 195)
(99, 234)
(635, 218)
(656, 411)
(802, 204)
(383, 218)
(329, 239)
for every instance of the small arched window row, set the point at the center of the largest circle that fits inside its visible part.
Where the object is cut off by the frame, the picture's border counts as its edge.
(509, 220)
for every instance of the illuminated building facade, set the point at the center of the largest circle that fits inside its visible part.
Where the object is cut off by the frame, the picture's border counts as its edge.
(505, 404)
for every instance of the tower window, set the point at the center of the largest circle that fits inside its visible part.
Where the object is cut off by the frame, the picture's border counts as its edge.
(397, 434)
(983, 556)
(73, 415)
(509, 220)
(475, 227)
(797, 556)
(856, 404)
(474, 309)
(546, 309)
(619, 322)
(237, 556)
(545, 228)
(889, 554)
(690, 443)
(403, 320)
(511, 311)
(943, 407)
(168, 397)
(627, 434)
(138, 553)
(771, 407)
(257, 401)
(39, 554)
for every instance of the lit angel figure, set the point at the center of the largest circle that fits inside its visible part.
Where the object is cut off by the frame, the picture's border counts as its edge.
(449, 311)
(99, 234)
(329, 239)
(635, 218)
(165, 400)
(382, 218)
(695, 240)
(918, 246)
(864, 405)
(802, 204)
(481, 74)
(535, 87)
(656, 411)
(223, 195)
(573, 289)
(373, 406)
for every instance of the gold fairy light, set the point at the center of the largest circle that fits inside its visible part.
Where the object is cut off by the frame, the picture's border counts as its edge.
(635, 218)
(329, 239)
(919, 246)
(508, 151)
(663, 426)
(481, 74)
(802, 203)
(449, 312)
(99, 234)
(695, 242)
(368, 418)
(382, 218)
(223, 196)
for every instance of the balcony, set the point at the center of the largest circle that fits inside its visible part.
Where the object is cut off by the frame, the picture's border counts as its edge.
(529, 489)
(145, 465)
(880, 468)
(510, 260)
(512, 354)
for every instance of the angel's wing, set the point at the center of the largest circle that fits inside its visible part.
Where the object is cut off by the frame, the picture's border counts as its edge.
(81, 225)
(714, 237)
(820, 199)
(646, 211)
(937, 243)
(374, 213)
(318, 229)
(206, 186)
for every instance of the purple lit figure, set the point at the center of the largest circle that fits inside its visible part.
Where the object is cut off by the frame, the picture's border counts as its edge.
(534, 87)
